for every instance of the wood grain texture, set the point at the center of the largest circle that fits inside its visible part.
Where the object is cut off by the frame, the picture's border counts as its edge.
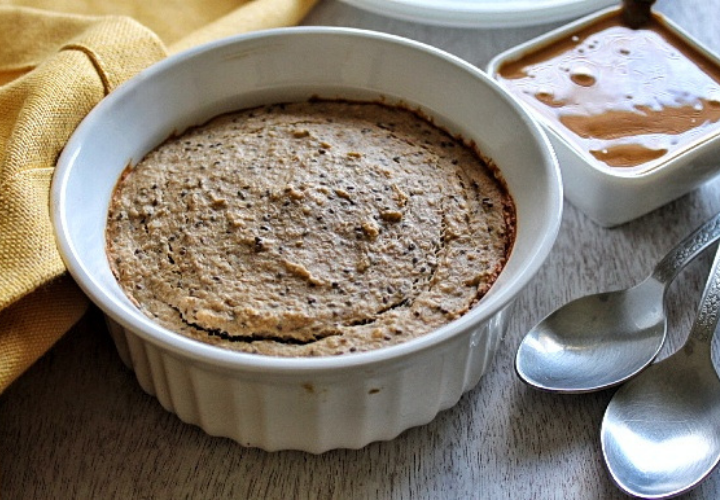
(77, 425)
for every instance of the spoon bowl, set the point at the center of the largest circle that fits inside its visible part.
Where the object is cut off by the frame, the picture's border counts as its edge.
(660, 434)
(602, 340)
(566, 353)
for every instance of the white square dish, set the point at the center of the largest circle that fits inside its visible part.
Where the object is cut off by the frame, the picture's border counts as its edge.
(611, 195)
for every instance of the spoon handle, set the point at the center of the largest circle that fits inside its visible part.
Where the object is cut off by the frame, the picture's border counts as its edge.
(687, 250)
(708, 312)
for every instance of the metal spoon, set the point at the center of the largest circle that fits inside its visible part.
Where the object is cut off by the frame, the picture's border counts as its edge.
(637, 13)
(602, 340)
(661, 432)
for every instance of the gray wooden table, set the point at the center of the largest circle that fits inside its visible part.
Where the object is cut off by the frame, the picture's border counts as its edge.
(77, 425)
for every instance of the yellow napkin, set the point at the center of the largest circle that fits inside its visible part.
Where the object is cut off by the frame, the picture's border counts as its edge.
(58, 59)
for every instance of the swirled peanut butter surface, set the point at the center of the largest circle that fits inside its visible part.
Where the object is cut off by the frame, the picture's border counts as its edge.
(629, 98)
(309, 229)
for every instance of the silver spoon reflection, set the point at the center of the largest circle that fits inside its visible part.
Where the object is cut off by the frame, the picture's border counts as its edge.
(602, 340)
(661, 431)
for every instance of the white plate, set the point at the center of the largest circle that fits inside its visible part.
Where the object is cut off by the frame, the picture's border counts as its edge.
(481, 13)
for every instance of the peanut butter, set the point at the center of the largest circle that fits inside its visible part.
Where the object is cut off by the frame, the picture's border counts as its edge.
(629, 98)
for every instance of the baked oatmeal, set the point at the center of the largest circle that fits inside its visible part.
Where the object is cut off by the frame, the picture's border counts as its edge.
(307, 229)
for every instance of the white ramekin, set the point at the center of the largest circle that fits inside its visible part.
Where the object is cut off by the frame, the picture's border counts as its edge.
(614, 197)
(299, 403)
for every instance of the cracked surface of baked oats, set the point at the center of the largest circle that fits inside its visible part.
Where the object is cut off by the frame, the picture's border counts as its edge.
(308, 229)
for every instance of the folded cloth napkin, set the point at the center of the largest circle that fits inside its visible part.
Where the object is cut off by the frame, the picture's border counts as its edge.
(55, 66)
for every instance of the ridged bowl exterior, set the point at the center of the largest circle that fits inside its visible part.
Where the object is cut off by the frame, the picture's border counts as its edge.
(313, 412)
